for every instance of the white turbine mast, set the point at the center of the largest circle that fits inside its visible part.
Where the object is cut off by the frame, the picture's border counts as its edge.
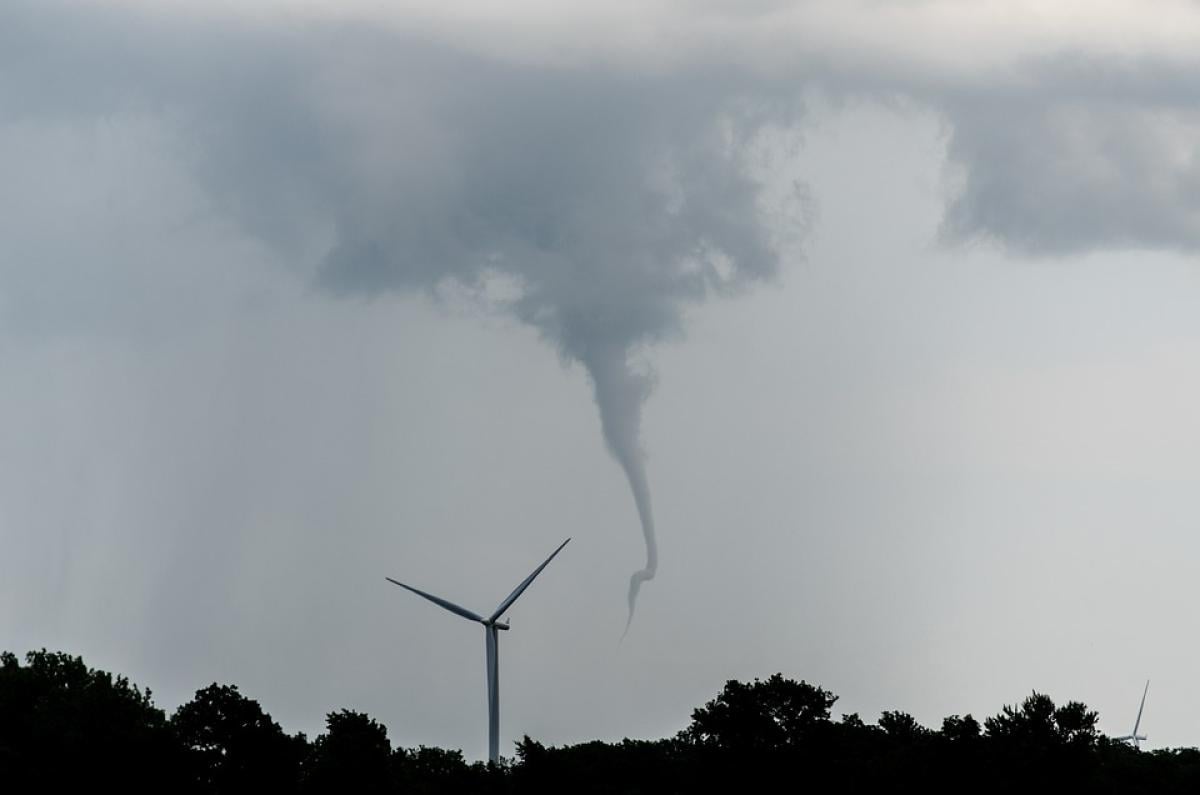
(491, 626)
(1133, 738)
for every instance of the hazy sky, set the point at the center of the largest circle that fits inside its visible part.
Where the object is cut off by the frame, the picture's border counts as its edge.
(897, 298)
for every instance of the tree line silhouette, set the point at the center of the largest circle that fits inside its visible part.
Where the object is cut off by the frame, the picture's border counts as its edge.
(65, 725)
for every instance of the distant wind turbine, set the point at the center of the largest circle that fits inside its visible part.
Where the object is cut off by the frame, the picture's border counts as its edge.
(1133, 738)
(491, 627)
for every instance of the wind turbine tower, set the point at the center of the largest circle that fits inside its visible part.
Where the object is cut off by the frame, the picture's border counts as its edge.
(491, 628)
(1133, 738)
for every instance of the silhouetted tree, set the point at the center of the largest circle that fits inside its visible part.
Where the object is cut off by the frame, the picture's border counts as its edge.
(901, 726)
(630, 766)
(353, 755)
(766, 714)
(959, 730)
(1076, 724)
(1038, 742)
(851, 720)
(426, 771)
(1038, 723)
(64, 725)
(233, 745)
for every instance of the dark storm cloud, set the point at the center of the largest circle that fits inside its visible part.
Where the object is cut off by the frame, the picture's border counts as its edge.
(1078, 153)
(606, 198)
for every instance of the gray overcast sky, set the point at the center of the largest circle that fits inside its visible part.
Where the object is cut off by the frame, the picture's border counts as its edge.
(897, 299)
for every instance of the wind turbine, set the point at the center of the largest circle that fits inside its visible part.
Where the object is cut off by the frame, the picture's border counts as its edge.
(491, 627)
(1133, 738)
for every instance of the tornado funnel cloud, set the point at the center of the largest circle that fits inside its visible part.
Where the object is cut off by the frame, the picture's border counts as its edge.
(589, 206)
(620, 393)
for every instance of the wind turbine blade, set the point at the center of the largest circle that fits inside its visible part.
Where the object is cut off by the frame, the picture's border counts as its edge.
(437, 600)
(520, 589)
(1140, 708)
